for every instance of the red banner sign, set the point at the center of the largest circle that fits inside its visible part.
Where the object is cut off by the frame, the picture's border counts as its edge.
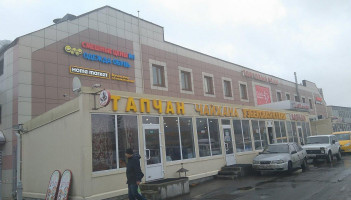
(263, 95)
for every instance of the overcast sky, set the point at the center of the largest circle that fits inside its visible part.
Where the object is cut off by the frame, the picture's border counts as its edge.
(312, 38)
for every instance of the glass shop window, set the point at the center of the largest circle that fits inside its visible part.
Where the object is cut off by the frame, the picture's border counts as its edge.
(283, 131)
(208, 137)
(178, 138)
(259, 133)
(242, 135)
(289, 131)
(104, 143)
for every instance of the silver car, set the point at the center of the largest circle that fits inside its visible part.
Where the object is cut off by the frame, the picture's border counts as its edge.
(280, 157)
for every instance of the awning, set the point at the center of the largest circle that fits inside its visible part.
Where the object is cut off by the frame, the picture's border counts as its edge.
(287, 105)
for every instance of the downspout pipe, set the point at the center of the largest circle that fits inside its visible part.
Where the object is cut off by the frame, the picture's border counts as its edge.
(19, 166)
(297, 87)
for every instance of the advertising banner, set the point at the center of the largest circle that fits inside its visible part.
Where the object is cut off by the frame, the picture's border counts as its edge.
(263, 95)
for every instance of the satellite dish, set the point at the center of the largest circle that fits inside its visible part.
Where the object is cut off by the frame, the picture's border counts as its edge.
(76, 85)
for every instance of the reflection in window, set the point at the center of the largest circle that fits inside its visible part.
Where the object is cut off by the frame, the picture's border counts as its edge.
(127, 137)
(293, 124)
(150, 120)
(178, 138)
(209, 142)
(104, 148)
(242, 135)
(277, 132)
(283, 131)
(263, 133)
(290, 134)
(103, 142)
(256, 135)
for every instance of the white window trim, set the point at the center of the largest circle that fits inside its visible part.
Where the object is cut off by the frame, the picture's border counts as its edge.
(155, 62)
(231, 88)
(180, 69)
(247, 92)
(204, 84)
(288, 94)
(281, 94)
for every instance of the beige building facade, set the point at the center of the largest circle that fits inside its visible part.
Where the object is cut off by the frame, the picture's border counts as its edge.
(110, 49)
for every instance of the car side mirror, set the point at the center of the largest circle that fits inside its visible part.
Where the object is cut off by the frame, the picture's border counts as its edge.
(333, 141)
(293, 152)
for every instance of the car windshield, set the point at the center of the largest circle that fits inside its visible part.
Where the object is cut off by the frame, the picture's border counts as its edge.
(343, 136)
(318, 140)
(281, 148)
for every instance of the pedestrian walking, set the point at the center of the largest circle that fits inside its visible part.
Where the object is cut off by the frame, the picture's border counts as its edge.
(134, 175)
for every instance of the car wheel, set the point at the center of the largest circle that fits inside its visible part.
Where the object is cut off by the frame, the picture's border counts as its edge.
(304, 164)
(329, 157)
(338, 156)
(290, 168)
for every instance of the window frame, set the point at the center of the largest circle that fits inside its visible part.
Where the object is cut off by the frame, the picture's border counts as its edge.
(209, 136)
(180, 139)
(181, 69)
(286, 96)
(295, 97)
(204, 82)
(118, 168)
(2, 66)
(165, 79)
(303, 99)
(281, 97)
(310, 102)
(231, 88)
(247, 91)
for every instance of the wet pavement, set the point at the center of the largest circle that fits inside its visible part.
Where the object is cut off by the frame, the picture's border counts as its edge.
(321, 181)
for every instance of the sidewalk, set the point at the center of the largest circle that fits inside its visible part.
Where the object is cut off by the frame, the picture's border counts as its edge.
(224, 189)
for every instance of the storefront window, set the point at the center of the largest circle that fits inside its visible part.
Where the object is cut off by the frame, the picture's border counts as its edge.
(187, 137)
(293, 124)
(176, 132)
(278, 134)
(304, 130)
(239, 141)
(104, 142)
(263, 133)
(242, 135)
(308, 133)
(215, 138)
(208, 137)
(289, 129)
(256, 135)
(127, 136)
(283, 131)
(247, 135)
(104, 134)
(150, 120)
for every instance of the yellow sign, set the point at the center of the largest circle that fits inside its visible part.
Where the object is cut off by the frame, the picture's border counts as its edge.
(211, 110)
(248, 113)
(73, 51)
(121, 78)
(146, 104)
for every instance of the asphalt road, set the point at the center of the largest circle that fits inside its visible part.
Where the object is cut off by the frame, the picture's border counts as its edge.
(321, 181)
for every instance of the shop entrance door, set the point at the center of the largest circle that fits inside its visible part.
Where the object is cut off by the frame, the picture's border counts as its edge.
(300, 133)
(228, 144)
(153, 152)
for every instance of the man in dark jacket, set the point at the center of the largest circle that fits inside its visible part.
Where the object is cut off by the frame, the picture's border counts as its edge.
(134, 175)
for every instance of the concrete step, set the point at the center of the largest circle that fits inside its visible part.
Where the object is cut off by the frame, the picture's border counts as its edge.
(227, 177)
(237, 173)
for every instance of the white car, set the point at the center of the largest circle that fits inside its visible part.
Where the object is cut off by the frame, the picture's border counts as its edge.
(280, 157)
(322, 146)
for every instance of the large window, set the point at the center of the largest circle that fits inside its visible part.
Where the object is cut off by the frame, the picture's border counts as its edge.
(208, 85)
(227, 87)
(208, 137)
(158, 75)
(109, 152)
(289, 132)
(279, 96)
(242, 135)
(259, 133)
(243, 91)
(186, 80)
(310, 101)
(293, 124)
(280, 131)
(179, 138)
(287, 96)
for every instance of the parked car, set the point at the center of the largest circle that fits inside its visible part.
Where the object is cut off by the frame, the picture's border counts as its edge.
(344, 138)
(280, 157)
(323, 147)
